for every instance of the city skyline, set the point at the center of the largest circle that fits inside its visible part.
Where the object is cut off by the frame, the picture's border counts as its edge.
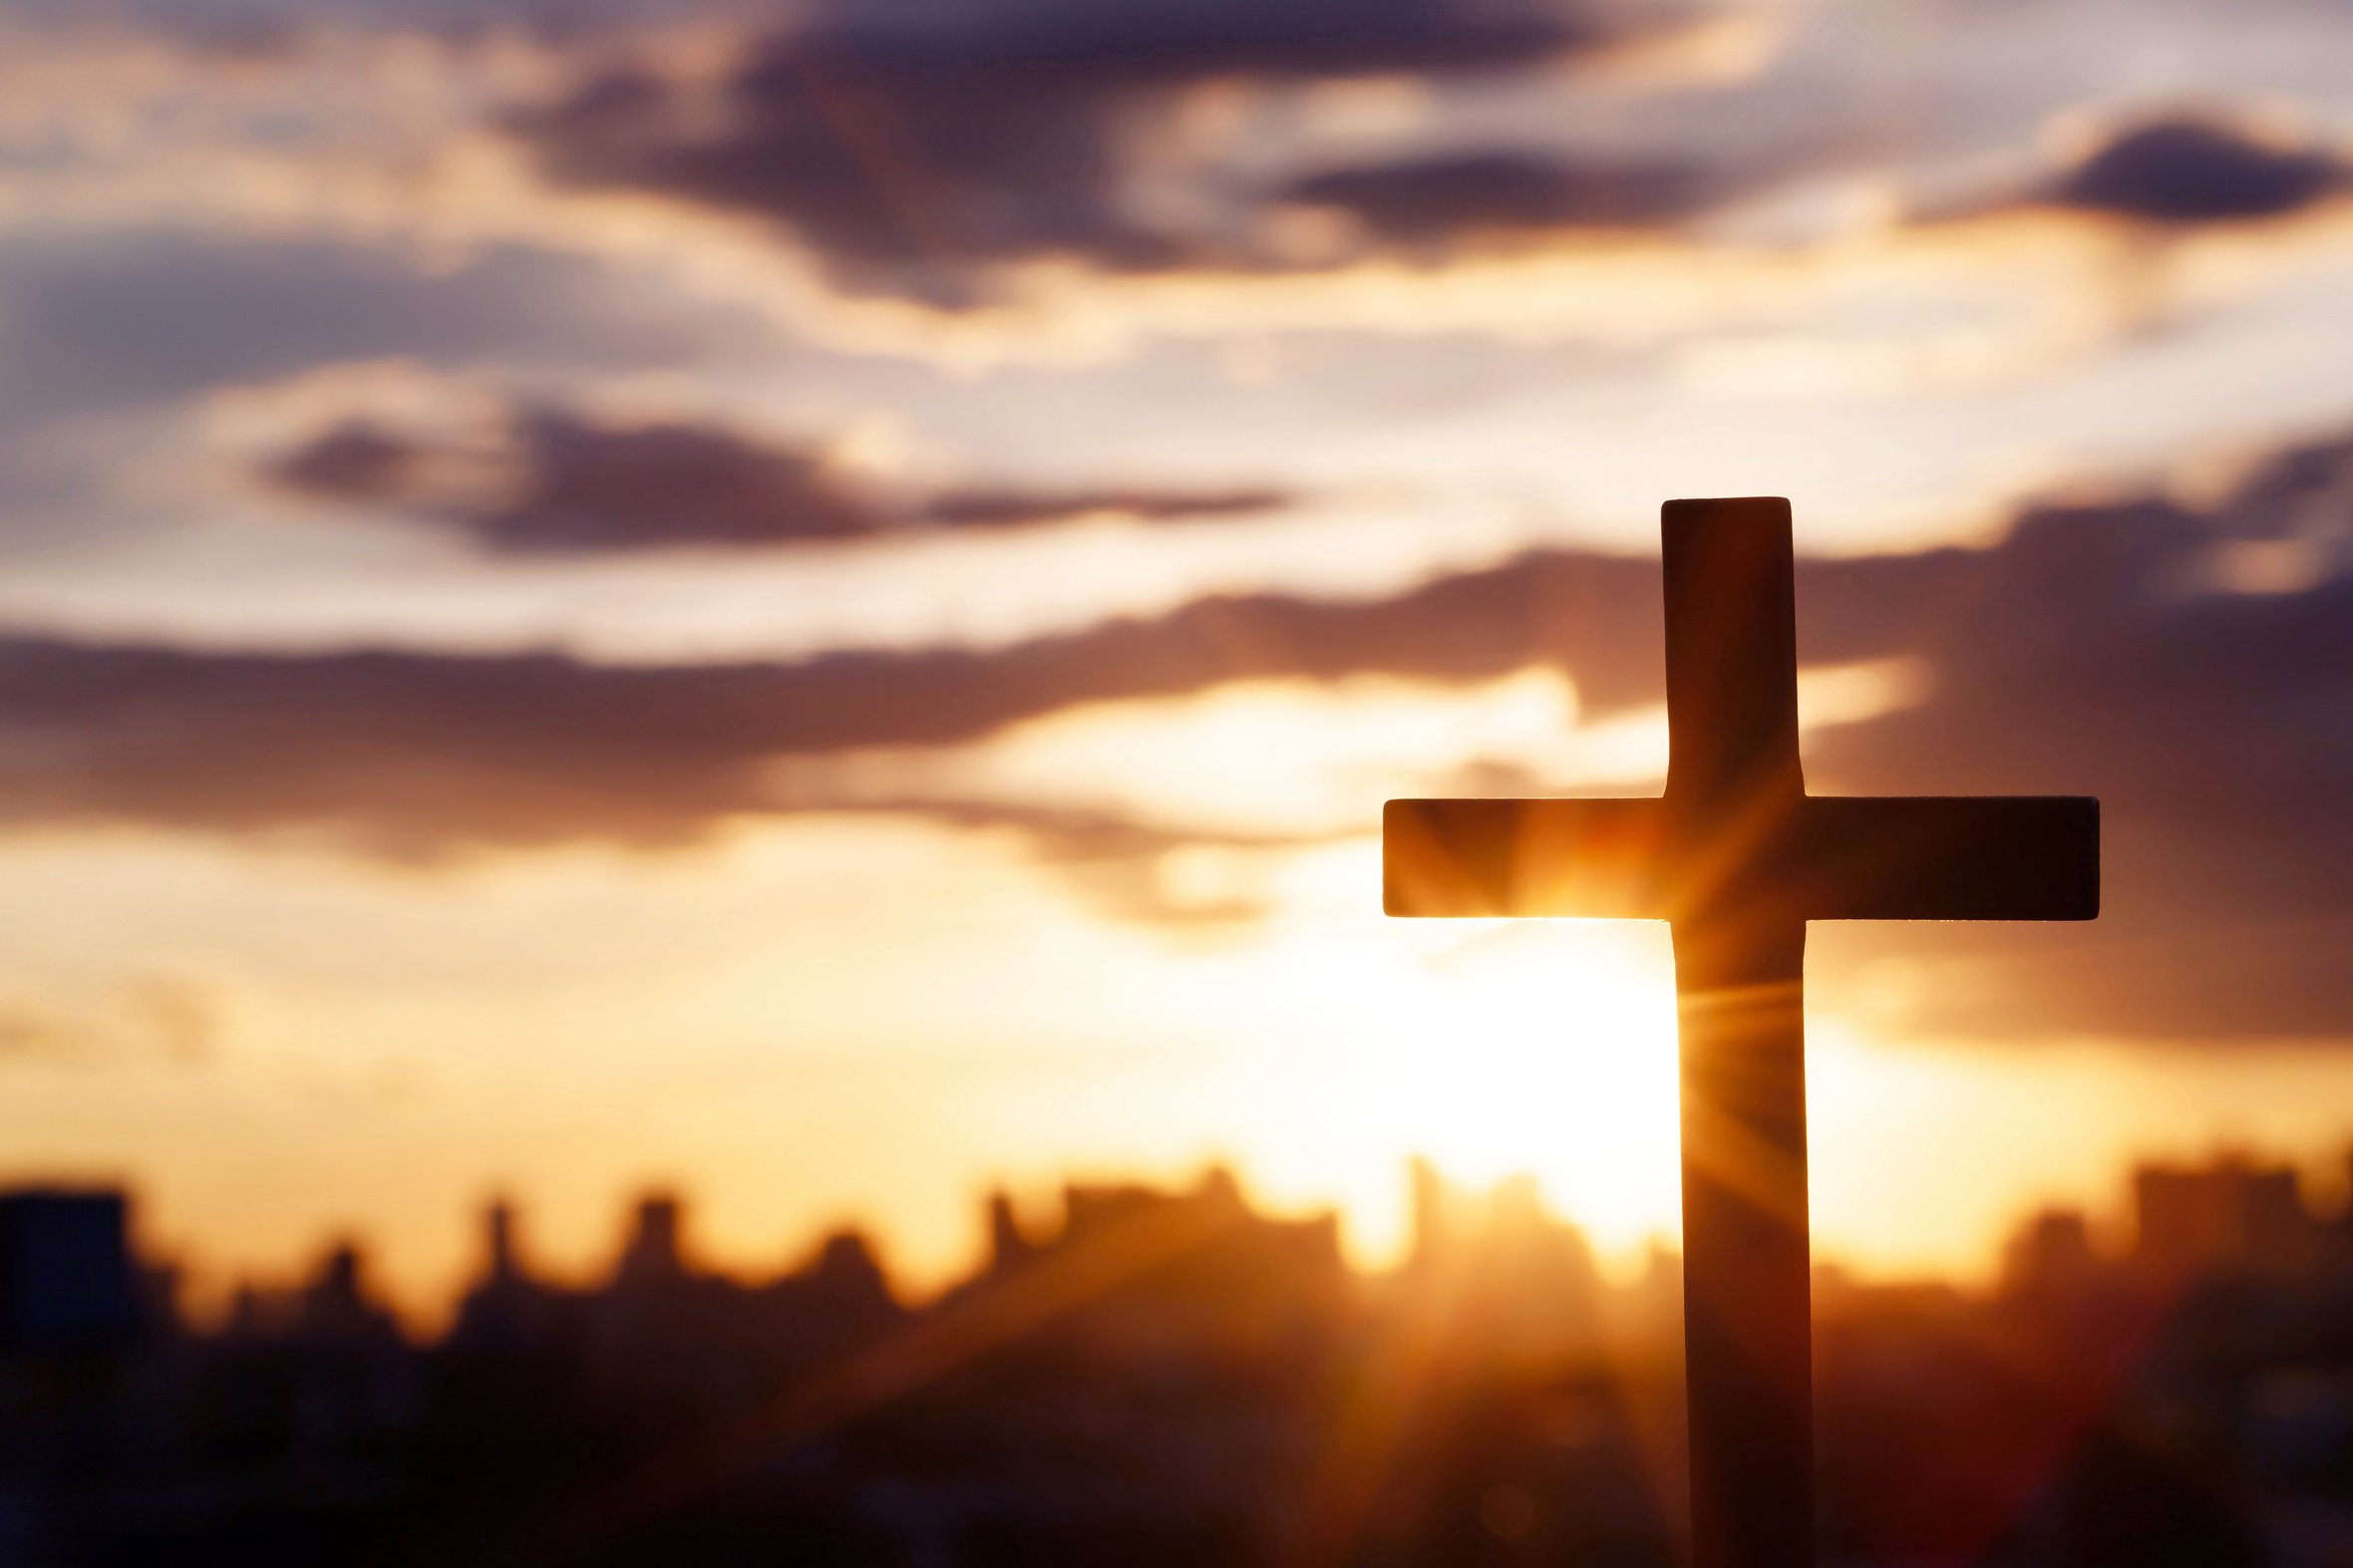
(1167, 1372)
(2111, 1226)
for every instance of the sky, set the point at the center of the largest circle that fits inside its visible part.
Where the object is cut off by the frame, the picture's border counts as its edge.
(815, 603)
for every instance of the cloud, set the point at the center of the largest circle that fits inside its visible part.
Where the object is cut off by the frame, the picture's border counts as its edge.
(914, 146)
(1018, 508)
(1428, 201)
(2117, 649)
(548, 482)
(149, 1018)
(2187, 170)
(107, 335)
(2097, 654)
(542, 481)
(421, 752)
(96, 322)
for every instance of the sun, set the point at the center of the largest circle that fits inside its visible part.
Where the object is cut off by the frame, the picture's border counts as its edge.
(1545, 1047)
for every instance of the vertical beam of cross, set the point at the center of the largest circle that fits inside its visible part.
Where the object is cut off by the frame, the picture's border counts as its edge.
(1737, 857)
(1733, 780)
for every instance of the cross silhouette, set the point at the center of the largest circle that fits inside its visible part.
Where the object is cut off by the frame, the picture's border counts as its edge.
(1739, 857)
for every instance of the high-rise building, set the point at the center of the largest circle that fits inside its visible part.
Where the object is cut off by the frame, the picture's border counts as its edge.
(2229, 1215)
(1009, 1245)
(655, 1249)
(67, 1279)
(2051, 1259)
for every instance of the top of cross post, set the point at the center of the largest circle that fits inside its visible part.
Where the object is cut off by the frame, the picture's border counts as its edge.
(1732, 651)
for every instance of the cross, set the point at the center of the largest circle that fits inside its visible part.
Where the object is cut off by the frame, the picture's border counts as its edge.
(1737, 857)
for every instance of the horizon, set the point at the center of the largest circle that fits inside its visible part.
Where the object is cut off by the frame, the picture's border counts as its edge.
(2324, 1189)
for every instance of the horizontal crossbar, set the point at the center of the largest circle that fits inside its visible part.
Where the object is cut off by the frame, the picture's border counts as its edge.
(1822, 857)
(1949, 858)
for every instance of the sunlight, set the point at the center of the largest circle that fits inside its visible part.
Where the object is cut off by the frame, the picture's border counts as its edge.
(1549, 1049)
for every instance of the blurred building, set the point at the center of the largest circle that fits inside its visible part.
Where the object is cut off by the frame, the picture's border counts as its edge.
(2230, 1216)
(68, 1281)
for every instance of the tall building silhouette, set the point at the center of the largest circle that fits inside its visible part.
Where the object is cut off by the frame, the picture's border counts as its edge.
(68, 1282)
(2229, 1215)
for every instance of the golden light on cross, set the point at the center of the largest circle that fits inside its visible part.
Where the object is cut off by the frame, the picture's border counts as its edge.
(1737, 857)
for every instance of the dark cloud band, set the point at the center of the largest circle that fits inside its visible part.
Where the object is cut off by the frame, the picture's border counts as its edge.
(915, 149)
(1434, 202)
(2097, 649)
(537, 481)
(2189, 170)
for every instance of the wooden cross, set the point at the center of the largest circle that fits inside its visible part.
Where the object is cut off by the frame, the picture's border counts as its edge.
(1739, 857)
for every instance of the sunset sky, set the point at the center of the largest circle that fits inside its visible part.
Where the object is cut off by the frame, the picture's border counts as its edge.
(816, 602)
